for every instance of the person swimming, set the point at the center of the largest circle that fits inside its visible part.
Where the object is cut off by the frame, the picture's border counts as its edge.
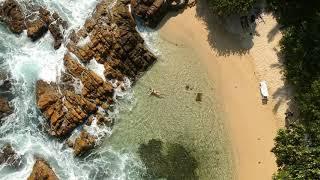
(155, 93)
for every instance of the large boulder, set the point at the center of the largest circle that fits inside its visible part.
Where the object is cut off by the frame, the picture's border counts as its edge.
(42, 171)
(9, 156)
(11, 13)
(36, 29)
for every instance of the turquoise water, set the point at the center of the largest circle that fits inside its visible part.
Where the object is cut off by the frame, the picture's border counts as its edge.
(174, 119)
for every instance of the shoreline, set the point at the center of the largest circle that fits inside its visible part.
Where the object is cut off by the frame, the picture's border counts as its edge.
(250, 125)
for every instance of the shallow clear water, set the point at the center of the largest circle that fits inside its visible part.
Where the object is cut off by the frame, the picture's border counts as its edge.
(175, 118)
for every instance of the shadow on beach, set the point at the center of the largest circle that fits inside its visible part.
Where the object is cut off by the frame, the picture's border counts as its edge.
(219, 38)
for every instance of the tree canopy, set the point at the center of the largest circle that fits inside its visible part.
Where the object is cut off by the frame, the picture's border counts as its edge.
(297, 148)
(228, 7)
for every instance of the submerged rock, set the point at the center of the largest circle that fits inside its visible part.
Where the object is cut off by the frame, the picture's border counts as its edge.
(42, 171)
(9, 156)
(11, 13)
(199, 97)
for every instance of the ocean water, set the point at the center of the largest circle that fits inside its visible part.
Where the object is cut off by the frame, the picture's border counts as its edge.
(175, 118)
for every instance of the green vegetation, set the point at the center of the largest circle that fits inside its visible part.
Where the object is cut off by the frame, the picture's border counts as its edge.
(168, 161)
(228, 7)
(297, 148)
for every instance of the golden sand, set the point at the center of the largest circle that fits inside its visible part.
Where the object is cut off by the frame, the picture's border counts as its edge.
(251, 125)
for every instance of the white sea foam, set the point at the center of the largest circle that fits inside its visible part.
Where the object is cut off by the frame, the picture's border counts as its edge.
(97, 68)
(150, 36)
(78, 86)
(83, 41)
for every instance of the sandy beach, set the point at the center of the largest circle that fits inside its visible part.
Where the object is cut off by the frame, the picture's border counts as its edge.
(236, 74)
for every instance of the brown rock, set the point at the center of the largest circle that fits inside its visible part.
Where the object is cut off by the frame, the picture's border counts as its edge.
(42, 171)
(83, 143)
(112, 40)
(36, 29)
(9, 156)
(56, 34)
(45, 15)
(94, 86)
(5, 109)
(11, 13)
(64, 111)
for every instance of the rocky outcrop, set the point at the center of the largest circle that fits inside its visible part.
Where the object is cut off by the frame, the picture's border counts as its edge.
(56, 33)
(110, 38)
(37, 21)
(42, 171)
(5, 108)
(9, 156)
(65, 111)
(43, 20)
(83, 143)
(11, 13)
(152, 11)
(94, 87)
(36, 29)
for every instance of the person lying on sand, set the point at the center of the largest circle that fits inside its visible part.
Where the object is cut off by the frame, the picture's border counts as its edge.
(154, 93)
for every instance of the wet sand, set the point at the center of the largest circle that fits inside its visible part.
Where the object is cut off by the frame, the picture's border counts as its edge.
(236, 74)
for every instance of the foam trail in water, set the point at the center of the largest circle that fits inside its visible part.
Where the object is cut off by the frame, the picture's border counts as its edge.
(150, 36)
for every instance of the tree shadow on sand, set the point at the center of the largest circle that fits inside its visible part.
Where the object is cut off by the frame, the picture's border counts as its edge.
(224, 42)
(285, 93)
(167, 161)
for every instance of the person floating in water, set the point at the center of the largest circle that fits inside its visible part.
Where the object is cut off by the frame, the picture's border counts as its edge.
(155, 93)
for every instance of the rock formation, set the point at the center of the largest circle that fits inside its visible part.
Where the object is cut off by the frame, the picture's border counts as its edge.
(9, 156)
(110, 38)
(83, 143)
(42, 20)
(11, 13)
(65, 111)
(37, 22)
(152, 11)
(42, 171)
